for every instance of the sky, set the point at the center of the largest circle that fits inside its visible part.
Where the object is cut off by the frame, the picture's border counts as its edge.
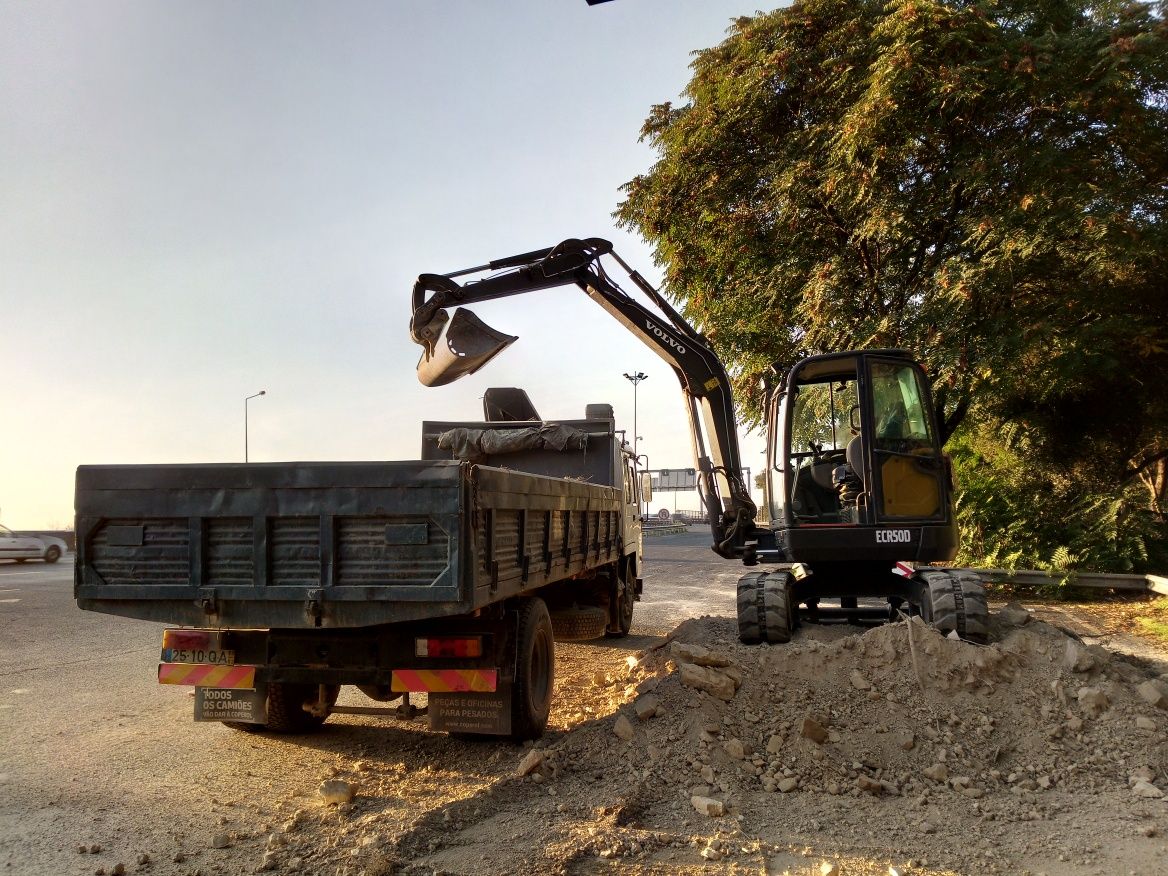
(199, 201)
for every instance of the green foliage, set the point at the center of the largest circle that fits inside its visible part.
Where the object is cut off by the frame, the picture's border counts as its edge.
(978, 182)
(1018, 515)
(983, 183)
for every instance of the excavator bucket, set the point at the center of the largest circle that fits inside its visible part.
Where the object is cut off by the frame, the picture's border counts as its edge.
(466, 345)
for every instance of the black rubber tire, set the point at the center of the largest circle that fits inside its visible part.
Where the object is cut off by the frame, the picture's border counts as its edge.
(626, 600)
(285, 709)
(777, 613)
(535, 671)
(52, 554)
(955, 601)
(749, 615)
(580, 623)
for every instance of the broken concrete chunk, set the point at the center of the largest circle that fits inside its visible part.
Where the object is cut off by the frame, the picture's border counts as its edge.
(774, 744)
(1147, 789)
(1154, 692)
(1076, 657)
(1093, 700)
(813, 730)
(712, 681)
(870, 785)
(788, 785)
(734, 748)
(859, 682)
(646, 706)
(335, 791)
(708, 806)
(938, 772)
(530, 763)
(623, 728)
(1014, 615)
(698, 655)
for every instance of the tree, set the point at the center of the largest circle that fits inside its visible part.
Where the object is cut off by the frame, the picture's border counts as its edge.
(984, 183)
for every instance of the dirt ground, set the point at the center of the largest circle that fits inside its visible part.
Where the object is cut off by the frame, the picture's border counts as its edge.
(679, 750)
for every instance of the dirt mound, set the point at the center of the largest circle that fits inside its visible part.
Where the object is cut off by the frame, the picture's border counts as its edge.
(896, 746)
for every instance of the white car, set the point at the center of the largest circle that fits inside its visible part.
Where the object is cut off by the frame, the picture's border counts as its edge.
(30, 547)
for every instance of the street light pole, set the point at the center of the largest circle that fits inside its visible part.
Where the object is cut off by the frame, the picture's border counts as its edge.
(635, 379)
(245, 401)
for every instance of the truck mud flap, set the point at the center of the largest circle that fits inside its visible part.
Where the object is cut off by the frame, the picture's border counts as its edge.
(222, 704)
(486, 713)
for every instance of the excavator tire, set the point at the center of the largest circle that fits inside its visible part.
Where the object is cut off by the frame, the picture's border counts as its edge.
(955, 601)
(766, 611)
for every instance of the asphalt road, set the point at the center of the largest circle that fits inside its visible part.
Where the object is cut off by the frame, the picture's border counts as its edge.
(94, 751)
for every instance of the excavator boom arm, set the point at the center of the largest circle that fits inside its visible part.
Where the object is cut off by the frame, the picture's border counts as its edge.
(703, 378)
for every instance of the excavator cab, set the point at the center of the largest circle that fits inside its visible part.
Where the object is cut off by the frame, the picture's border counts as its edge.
(855, 465)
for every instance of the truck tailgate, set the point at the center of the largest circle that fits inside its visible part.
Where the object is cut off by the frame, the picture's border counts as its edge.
(273, 545)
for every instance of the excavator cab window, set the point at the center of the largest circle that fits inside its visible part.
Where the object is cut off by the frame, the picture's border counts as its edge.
(823, 415)
(904, 449)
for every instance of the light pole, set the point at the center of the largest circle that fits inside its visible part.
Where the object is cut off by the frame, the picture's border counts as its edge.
(245, 401)
(635, 379)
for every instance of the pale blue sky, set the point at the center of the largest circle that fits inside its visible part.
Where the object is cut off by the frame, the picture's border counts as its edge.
(202, 200)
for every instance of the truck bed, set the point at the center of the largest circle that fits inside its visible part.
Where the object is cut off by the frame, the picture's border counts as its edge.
(301, 545)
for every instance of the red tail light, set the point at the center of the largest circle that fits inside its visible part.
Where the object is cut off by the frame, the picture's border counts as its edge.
(471, 646)
(186, 640)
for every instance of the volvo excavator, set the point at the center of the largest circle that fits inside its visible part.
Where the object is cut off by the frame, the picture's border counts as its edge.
(858, 493)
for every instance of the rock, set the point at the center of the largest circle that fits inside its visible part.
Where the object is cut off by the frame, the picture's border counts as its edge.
(708, 774)
(938, 772)
(1141, 774)
(178, 857)
(774, 744)
(530, 763)
(648, 684)
(870, 785)
(828, 868)
(1145, 723)
(95, 849)
(1014, 615)
(335, 791)
(926, 827)
(118, 869)
(1147, 789)
(623, 728)
(698, 655)
(975, 793)
(1093, 700)
(143, 859)
(788, 785)
(813, 730)
(713, 682)
(220, 841)
(708, 806)
(858, 681)
(646, 706)
(268, 862)
(1154, 692)
(1076, 657)
(906, 740)
(734, 748)
(711, 854)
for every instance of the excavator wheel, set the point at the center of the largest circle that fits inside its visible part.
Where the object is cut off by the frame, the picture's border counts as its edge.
(955, 601)
(766, 608)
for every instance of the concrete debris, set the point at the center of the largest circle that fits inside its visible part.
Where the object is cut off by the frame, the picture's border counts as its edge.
(1154, 692)
(859, 682)
(708, 806)
(1093, 700)
(220, 841)
(869, 784)
(829, 868)
(530, 763)
(1148, 790)
(813, 730)
(646, 706)
(335, 791)
(623, 728)
(788, 785)
(704, 678)
(938, 772)
(1014, 615)
(1076, 657)
(698, 655)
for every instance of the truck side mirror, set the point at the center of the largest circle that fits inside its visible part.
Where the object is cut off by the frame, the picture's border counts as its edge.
(646, 486)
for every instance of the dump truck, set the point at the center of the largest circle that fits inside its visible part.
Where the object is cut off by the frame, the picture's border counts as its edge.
(451, 576)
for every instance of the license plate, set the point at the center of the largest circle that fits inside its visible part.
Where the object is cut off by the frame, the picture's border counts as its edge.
(214, 656)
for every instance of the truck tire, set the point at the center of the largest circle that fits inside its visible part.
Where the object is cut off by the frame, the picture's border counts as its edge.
(580, 623)
(535, 670)
(955, 601)
(286, 709)
(766, 608)
(624, 600)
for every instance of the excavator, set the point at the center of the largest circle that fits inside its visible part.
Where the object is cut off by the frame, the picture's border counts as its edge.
(857, 490)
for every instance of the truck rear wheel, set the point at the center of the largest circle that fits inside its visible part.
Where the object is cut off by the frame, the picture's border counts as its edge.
(624, 600)
(286, 712)
(535, 664)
